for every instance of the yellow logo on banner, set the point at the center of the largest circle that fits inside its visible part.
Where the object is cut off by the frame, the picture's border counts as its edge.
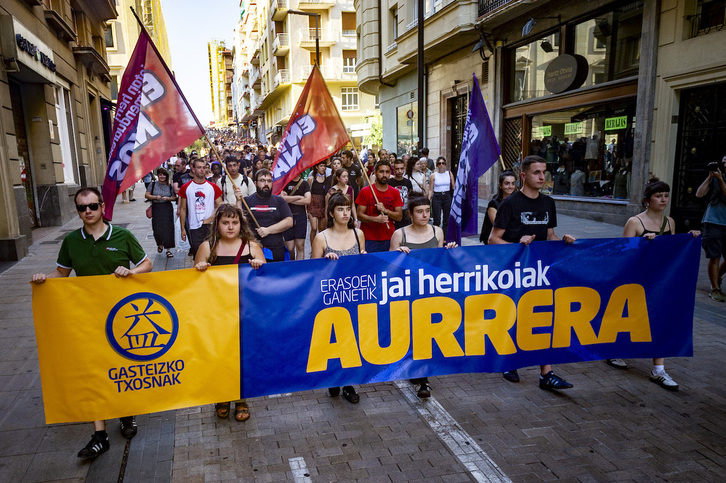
(142, 326)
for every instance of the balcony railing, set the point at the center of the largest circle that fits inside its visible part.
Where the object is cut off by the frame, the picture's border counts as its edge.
(282, 77)
(305, 4)
(488, 6)
(707, 22)
(281, 42)
(308, 35)
(278, 9)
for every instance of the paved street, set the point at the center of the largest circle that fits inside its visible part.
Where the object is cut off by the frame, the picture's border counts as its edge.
(612, 426)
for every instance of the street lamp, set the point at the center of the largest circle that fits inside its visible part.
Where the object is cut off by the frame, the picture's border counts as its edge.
(317, 31)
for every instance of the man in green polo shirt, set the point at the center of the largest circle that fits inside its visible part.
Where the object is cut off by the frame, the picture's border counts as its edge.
(98, 248)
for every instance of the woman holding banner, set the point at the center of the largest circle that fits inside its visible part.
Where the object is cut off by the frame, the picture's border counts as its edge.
(507, 185)
(231, 242)
(419, 234)
(649, 224)
(339, 239)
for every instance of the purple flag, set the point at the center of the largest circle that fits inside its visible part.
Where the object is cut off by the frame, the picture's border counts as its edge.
(479, 151)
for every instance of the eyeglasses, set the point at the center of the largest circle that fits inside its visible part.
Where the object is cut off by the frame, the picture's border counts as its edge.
(92, 206)
(441, 163)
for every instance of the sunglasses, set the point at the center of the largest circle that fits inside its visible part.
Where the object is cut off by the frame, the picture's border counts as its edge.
(440, 164)
(92, 206)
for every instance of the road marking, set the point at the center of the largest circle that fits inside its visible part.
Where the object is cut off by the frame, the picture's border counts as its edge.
(299, 470)
(470, 454)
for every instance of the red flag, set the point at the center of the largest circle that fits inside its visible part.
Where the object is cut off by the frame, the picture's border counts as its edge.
(314, 132)
(153, 121)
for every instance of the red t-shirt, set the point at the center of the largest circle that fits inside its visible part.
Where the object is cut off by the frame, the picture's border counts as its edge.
(391, 198)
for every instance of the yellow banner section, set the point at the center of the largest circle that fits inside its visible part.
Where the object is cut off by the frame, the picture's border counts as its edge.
(111, 347)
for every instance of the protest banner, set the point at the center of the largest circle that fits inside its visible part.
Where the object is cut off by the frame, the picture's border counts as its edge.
(112, 347)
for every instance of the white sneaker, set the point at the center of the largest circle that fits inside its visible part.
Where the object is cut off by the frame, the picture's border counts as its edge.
(664, 380)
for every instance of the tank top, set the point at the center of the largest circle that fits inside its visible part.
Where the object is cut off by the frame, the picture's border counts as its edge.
(229, 259)
(431, 243)
(645, 232)
(442, 182)
(354, 250)
(318, 188)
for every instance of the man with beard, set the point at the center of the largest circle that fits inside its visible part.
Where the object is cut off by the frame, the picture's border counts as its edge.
(272, 213)
(377, 217)
(355, 175)
(404, 186)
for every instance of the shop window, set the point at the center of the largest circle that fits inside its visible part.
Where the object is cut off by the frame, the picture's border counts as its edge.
(406, 128)
(349, 98)
(529, 64)
(588, 149)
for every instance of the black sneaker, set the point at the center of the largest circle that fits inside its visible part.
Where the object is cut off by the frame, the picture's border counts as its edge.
(350, 395)
(128, 427)
(552, 381)
(511, 376)
(423, 391)
(95, 447)
(334, 391)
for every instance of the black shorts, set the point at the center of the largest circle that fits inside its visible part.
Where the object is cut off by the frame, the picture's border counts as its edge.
(197, 237)
(299, 228)
(714, 240)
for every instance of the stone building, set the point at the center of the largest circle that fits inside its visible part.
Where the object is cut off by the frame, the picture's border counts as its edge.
(55, 98)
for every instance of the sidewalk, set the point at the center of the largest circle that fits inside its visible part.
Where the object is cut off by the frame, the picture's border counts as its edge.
(614, 425)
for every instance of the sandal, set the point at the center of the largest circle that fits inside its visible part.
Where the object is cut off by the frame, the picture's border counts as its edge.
(222, 410)
(241, 412)
(169, 254)
(160, 248)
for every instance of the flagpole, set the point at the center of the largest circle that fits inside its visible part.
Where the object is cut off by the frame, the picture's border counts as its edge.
(216, 154)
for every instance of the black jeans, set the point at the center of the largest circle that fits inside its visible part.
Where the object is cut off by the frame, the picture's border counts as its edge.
(441, 205)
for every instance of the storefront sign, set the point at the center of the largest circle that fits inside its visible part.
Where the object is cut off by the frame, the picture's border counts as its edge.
(20, 43)
(543, 131)
(616, 123)
(573, 128)
(565, 72)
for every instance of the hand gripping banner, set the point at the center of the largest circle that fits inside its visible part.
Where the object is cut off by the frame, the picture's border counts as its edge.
(112, 347)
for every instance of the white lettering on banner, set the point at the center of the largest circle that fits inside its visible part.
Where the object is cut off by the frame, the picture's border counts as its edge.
(290, 152)
(462, 176)
(145, 131)
(152, 89)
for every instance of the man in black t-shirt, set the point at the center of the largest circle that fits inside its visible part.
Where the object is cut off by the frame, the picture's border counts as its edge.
(297, 195)
(272, 213)
(524, 217)
(405, 187)
(355, 175)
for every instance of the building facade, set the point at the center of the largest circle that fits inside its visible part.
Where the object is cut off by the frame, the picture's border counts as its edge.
(220, 82)
(608, 92)
(55, 97)
(275, 51)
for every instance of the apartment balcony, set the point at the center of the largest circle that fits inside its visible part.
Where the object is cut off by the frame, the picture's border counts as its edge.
(255, 78)
(103, 9)
(281, 44)
(282, 77)
(315, 4)
(489, 6)
(90, 57)
(58, 23)
(307, 39)
(255, 60)
(278, 9)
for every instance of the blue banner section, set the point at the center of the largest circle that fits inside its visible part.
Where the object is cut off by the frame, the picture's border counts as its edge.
(390, 316)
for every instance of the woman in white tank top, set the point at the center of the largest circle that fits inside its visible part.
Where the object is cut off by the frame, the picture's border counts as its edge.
(441, 183)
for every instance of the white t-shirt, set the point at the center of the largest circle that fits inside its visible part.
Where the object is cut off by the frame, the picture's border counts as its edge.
(200, 201)
(247, 188)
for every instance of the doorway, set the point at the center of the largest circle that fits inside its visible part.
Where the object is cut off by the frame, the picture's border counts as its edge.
(701, 139)
(21, 138)
(458, 108)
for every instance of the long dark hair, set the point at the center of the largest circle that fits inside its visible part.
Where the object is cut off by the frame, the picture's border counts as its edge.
(502, 177)
(336, 200)
(336, 175)
(229, 211)
(410, 165)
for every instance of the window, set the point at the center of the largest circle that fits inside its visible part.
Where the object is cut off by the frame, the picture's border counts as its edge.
(65, 130)
(110, 36)
(114, 87)
(348, 20)
(349, 98)
(393, 28)
(349, 62)
(406, 128)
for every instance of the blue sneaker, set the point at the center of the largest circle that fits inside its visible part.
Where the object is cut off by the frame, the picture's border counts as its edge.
(552, 381)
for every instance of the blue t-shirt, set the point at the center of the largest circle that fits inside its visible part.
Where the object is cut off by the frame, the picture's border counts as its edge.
(716, 209)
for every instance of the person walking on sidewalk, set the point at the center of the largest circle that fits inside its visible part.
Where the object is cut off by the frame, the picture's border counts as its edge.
(526, 216)
(441, 183)
(379, 206)
(649, 224)
(98, 248)
(714, 226)
(198, 199)
(161, 195)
